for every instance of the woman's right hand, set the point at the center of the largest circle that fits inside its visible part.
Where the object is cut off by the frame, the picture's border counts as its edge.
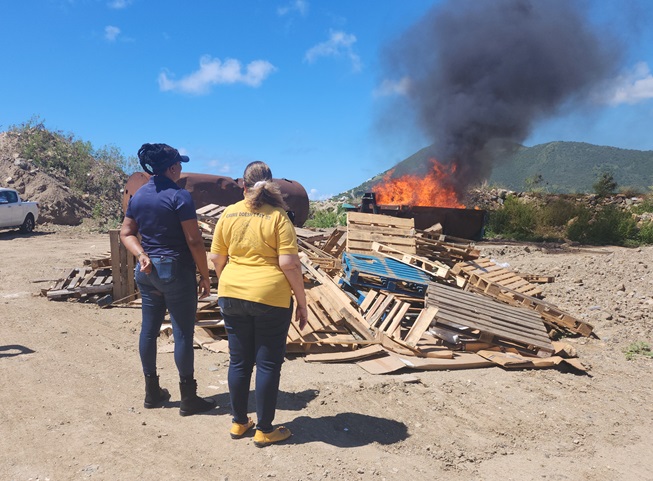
(145, 262)
(301, 315)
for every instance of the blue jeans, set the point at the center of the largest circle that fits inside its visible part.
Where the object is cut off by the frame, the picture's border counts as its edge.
(257, 335)
(171, 285)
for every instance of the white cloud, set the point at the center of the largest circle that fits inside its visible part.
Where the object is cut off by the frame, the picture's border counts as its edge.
(219, 167)
(315, 194)
(393, 87)
(213, 71)
(339, 44)
(299, 6)
(111, 33)
(119, 4)
(634, 87)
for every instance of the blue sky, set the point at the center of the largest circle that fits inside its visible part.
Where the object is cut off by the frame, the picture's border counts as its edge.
(295, 83)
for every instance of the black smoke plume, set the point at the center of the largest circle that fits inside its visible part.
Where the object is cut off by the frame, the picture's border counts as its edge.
(483, 72)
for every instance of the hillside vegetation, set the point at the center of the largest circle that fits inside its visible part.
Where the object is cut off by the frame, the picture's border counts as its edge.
(573, 167)
(555, 167)
(70, 179)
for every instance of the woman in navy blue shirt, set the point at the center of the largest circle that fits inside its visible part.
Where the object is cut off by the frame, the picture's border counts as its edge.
(169, 251)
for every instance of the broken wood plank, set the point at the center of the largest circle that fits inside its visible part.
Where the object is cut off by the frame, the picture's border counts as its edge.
(421, 325)
(347, 356)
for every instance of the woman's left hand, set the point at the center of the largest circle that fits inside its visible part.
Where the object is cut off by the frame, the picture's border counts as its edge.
(204, 288)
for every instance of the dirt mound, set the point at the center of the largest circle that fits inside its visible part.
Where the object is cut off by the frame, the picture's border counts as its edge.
(57, 203)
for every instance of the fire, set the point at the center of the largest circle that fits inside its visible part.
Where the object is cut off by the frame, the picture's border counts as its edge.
(432, 189)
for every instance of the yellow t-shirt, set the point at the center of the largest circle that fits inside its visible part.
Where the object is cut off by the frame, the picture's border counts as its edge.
(253, 241)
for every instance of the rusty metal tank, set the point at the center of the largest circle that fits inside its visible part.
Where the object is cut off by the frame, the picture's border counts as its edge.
(215, 189)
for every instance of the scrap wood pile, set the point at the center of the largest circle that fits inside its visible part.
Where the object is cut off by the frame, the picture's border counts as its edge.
(92, 282)
(388, 296)
(409, 298)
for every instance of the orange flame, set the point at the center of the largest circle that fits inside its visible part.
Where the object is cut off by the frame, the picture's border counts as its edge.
(432, 189)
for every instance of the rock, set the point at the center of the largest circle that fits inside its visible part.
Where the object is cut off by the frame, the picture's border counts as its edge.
(21, 163)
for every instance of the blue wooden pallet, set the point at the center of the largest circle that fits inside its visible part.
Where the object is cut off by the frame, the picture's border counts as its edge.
(361, 270)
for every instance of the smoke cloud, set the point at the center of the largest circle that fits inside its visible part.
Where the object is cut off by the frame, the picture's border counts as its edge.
(482, 73)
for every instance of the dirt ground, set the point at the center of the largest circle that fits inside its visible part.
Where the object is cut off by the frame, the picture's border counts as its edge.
(72, 391)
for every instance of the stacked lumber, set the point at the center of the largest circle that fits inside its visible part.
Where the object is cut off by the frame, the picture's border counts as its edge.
(364, 229)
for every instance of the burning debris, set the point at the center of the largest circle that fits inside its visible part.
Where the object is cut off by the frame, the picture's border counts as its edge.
(481, 74)
(432, 189)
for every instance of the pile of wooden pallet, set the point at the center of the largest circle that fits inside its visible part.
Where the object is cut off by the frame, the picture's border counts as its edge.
(386, 296)
(424, 301)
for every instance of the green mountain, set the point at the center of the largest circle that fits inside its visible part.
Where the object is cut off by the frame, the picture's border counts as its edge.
(561, 167)
(570, 167)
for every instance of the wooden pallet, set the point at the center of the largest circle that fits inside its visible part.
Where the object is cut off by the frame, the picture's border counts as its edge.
(433, 268)
(484, 274)
(81, 282)
(207, 218)
(97, 262)
(398, 329)
(443, 247)
(335, 244)
(383, 273)
(495, 322)
(211, 211)
(325, 325)
(335, 301)
(552, 316)
(364, 229)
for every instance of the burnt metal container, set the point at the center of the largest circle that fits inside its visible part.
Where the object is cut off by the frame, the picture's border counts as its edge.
(216, 189)
(455, 222)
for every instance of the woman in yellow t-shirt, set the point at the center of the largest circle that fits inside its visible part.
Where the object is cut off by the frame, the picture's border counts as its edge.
(255, 255)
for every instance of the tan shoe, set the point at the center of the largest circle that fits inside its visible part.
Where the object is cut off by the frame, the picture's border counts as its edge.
(262, 439)
(239, 430)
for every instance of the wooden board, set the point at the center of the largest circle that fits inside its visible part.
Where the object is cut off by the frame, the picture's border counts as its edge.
(421, 324)
(393, 362)
(347, 356)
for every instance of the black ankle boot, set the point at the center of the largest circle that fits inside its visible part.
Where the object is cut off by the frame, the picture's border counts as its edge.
(154, 394)
(191, 403)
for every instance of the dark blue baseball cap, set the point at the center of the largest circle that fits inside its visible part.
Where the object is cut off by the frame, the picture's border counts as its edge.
(156, 158)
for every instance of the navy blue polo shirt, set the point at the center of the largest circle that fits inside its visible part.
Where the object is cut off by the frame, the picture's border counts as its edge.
(159, 207)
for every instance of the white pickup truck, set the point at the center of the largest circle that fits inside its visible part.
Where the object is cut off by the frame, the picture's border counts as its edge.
(15, 212)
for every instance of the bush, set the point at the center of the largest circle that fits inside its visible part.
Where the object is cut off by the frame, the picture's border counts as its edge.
(645, 235)
(322, 218)
(608, 225)
(558, 212)
(605, 185)
(645, 206)
(516, 219)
